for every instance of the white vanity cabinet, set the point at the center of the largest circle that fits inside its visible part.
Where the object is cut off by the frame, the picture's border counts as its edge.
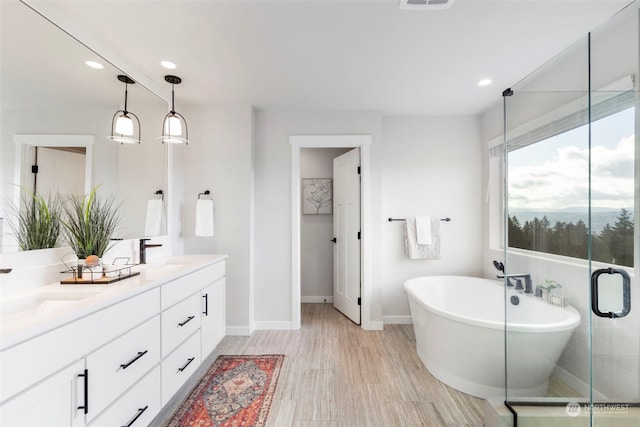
(121, 362)
(186, 315)
(52, 402)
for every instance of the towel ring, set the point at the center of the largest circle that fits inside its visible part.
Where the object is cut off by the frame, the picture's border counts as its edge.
(206, 193)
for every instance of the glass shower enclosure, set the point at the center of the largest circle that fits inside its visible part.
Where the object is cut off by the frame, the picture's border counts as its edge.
(571, 257)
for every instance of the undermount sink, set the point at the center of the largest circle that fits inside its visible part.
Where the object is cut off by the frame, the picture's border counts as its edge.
(41, 302)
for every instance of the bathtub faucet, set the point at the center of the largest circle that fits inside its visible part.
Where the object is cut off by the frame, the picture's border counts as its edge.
(518, 278)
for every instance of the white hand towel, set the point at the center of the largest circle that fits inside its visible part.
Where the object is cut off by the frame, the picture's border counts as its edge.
(153, 223)
(423, 230)
(204, 218)
(415, 251)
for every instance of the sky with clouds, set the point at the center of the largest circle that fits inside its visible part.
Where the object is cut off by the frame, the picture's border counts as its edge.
(554, 174)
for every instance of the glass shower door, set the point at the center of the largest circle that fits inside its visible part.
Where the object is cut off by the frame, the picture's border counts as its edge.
(572, 179)
(615, 317)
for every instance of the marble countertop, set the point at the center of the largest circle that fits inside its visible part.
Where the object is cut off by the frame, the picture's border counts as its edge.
(24, 315)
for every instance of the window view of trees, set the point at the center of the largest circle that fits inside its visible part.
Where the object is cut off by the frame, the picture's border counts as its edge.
(554, 183)
(613, 245)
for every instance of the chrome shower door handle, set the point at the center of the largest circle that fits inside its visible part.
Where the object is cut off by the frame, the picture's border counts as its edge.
(595, 293)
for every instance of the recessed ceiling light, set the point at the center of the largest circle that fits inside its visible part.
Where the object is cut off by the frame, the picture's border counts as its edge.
(168, 64)
(484, 82)
(94, 64)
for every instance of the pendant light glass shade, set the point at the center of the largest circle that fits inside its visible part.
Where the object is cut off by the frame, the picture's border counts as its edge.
(174, 126)
(125, 126)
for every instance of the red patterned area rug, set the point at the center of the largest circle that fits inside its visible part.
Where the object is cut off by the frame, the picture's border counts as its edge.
(236, 391)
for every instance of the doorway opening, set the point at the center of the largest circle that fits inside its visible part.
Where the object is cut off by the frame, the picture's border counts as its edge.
(330, 141)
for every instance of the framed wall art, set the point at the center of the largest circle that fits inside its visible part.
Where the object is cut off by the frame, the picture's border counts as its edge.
(317, 196)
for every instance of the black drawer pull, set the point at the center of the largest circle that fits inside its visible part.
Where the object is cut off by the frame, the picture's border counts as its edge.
(206, 304)
(136, 416)
(191, 359)
(129, 363)
(85, 375)
(189, 319)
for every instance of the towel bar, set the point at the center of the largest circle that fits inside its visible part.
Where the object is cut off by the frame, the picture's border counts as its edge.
(402, 219)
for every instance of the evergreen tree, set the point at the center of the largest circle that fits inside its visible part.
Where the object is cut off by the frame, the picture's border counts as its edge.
(621, 245)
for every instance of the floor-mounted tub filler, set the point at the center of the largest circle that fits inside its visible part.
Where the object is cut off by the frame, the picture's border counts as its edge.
(459, 324)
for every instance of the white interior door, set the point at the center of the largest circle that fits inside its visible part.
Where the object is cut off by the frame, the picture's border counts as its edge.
(60, 171)
(346, 232)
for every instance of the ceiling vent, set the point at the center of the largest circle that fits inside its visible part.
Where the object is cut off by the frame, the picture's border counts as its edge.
(425, 4)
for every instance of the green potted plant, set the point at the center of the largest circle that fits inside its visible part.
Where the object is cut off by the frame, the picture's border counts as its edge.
(546, 288)
(89, 223)
(37, 225)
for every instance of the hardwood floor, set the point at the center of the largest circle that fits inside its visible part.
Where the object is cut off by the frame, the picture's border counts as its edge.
(337, 374)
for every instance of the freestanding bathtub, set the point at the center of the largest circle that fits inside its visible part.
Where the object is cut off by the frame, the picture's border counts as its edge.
(459, 323)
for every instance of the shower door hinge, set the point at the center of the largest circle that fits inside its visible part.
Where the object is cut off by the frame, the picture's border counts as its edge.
(358, 170)
(359, 301)
(34, 169)
(507, 92)
(359, 235)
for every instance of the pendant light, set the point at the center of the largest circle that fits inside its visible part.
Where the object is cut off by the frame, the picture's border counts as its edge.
(174, 126)
(124, 129)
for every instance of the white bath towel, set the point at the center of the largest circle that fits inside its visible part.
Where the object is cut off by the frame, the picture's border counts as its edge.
(153, 223)
(204, 218)
(423, 230)
(412, 249)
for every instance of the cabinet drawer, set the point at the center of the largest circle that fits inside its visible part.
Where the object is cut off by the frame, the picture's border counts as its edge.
(72, 341)
(176, 290)
(179, 322)
(137, 407)
(179, 366)
(118, 365)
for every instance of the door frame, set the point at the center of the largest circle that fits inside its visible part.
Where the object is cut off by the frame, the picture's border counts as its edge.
(331, 141)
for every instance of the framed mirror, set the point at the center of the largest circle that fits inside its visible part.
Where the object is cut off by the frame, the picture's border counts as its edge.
(50, 95)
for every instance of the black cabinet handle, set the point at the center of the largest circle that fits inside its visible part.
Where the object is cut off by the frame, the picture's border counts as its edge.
(136, 416)
(189, 319)
(191, 359)
(85, 375)
(206, 304)
(129, 363)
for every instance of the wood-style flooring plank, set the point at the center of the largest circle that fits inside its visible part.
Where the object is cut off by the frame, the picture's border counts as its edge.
(336, 374)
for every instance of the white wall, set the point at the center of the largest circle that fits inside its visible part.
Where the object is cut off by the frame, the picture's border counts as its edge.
(219, 158)
(431, 167)
(420, 165)
(316, 249)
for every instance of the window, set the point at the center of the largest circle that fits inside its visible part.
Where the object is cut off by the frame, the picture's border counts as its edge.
(549, 193)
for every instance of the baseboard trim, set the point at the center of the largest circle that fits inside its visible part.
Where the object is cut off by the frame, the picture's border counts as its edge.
(373, 325)
(273, 326)
(238, 331)
(576, 383)
(316, 299)
(397, 320)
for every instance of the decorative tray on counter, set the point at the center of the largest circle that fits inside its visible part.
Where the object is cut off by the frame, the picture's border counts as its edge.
(100, 276)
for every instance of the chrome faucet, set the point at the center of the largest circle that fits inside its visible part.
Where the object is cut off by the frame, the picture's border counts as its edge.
(143, 249)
